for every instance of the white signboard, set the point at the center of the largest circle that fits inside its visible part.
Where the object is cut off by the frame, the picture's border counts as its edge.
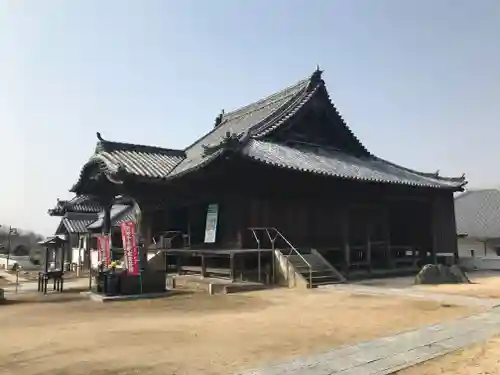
(211, 225)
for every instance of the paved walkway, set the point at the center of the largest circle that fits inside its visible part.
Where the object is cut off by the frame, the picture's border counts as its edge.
(389, 354)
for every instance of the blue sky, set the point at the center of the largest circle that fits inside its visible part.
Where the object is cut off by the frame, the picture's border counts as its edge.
(417, 81)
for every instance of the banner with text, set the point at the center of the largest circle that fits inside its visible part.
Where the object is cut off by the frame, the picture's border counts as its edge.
(130, 250)
(103, 247)
(211, 224)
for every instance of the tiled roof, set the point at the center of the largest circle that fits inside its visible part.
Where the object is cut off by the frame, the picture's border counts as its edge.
(253, 124)
(307, 158)
(76, 222)
(251, 117)
(477, 213)
(79, 203)
(83, 204)
(119, 213)
(145, 161)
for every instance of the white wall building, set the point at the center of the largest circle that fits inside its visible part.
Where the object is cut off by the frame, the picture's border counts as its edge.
(477, 214)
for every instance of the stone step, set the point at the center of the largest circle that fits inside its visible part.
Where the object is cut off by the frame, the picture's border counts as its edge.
(323, 279)
(305, 267)
(318, 273)
(313, 263)
(326, 282)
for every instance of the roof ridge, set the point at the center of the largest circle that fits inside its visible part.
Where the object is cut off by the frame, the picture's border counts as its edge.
(276, 96)
(109, 146)
(239, 112)
(292, 106)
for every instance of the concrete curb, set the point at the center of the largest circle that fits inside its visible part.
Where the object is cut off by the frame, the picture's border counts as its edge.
(134, 297)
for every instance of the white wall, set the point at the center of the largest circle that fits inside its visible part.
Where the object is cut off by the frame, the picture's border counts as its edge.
(485, 256)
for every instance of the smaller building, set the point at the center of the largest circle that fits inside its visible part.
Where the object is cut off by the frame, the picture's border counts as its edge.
(76, 214)
(478, 227)
(81, 221)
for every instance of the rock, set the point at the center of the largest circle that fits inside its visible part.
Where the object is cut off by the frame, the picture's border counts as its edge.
(441, 274)
(459, 274)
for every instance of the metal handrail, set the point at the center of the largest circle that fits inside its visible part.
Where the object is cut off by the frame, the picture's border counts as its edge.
(273, 240)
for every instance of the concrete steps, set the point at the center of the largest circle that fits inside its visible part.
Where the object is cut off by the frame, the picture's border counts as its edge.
(317, 271)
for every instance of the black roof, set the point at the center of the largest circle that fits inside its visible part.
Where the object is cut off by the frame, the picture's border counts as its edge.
(119, 213)
(250, 126)
(75, 222)
(79, 203)
(307, 158)
(477, 213)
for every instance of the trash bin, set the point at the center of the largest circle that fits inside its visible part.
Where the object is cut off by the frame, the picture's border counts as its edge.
(111, 284)
(100, 281)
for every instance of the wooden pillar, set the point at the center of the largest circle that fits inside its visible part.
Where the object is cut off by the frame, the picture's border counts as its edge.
(444, 236)
(203, 266)
(88, 248)
(368, 246)
(388, 250)
(63, 252)
(179, 264)
(46, 268)
(436, 224)
(106, 224)
(345, 237)
(232, 221)
(87, 251)
(231, 266)
(145, 231)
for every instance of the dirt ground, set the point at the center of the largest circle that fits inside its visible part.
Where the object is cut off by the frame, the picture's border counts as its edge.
(487, 286)
(484, 284)
(3, 282)
(33, 275)
(195, 333)
(477, 360)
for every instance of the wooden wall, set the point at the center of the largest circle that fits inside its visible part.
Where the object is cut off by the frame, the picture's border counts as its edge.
(444, 231)
(310, 210)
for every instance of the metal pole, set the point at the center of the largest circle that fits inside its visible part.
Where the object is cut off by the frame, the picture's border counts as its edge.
(17, 279)
(8, 246)
(259, 266)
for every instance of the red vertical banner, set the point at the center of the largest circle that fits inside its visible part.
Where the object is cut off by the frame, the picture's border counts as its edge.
(130, 250)
(106, 250)
(100, 250)
(103, 248)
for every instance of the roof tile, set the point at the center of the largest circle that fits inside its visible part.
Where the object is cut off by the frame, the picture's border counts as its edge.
(76, 222)
(338, 164)
(240, 121)
(145, 161)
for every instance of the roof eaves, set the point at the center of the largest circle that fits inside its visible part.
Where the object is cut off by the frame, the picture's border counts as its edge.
(283, 164)
(459, 182)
